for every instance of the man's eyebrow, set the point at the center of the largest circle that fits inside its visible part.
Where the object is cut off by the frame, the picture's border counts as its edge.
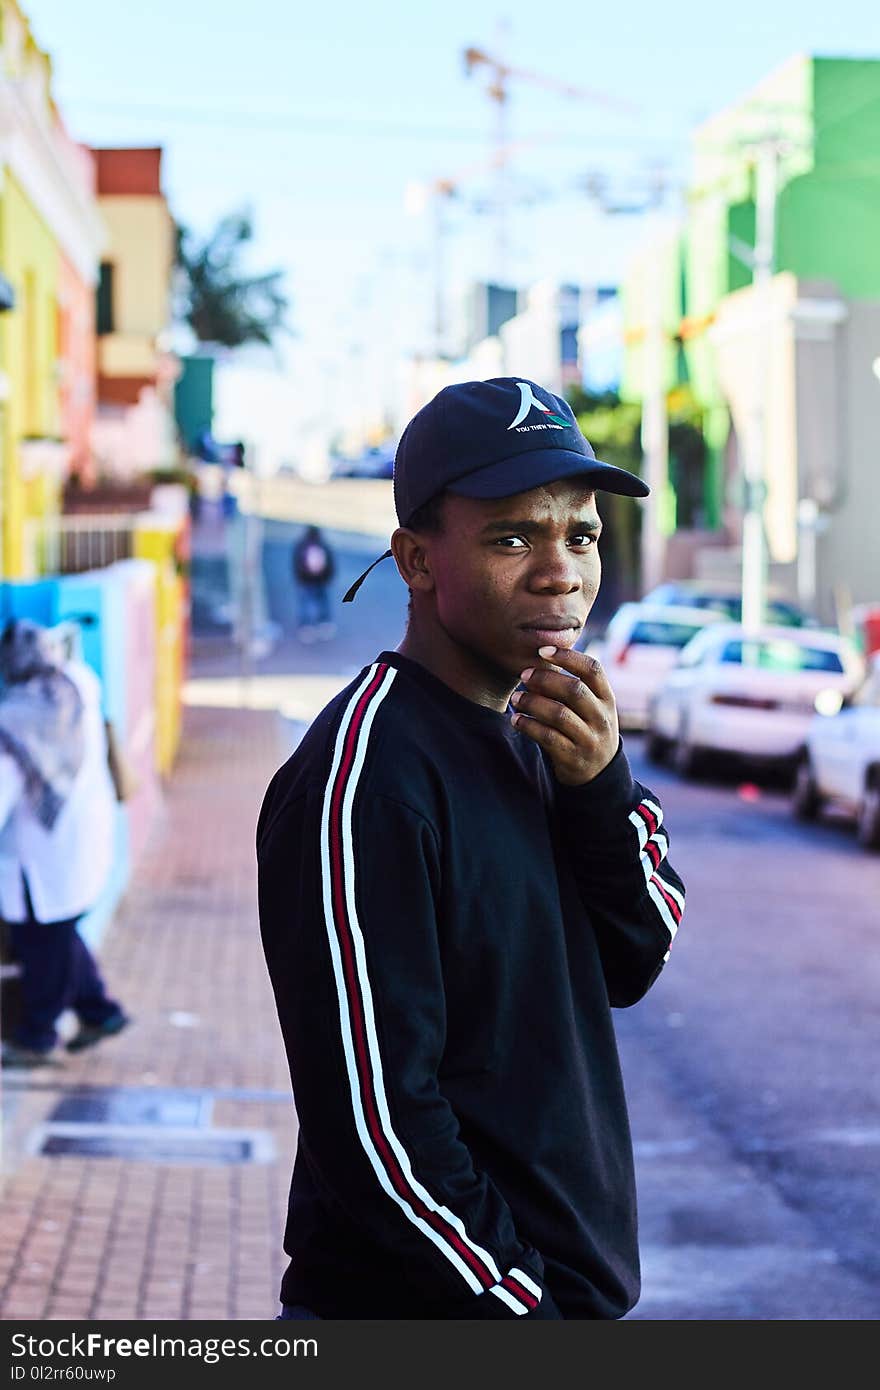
(591, 524)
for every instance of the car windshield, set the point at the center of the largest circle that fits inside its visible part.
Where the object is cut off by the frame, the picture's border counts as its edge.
(781, 656)
(779, 613)
(784, 615)
(662, 634)
(715, 603)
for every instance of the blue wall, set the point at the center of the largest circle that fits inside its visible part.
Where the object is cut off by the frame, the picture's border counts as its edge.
(100, 595)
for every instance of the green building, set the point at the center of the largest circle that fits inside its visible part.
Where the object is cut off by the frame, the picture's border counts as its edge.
(822, 115)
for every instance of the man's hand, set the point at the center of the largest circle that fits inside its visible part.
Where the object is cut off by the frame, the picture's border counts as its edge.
(573, 717)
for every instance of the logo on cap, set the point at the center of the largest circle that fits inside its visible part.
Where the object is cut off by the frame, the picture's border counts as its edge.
(529, 402)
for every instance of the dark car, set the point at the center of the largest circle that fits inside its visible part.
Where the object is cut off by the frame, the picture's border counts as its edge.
(696, 593)
(372, 463)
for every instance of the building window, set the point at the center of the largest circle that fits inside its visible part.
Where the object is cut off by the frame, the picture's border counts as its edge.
(105, 299)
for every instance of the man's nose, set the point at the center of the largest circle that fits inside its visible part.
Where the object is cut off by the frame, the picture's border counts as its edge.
(557, 573)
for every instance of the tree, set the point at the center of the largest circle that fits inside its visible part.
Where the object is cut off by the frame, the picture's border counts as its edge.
(220, 302)
(613, 428)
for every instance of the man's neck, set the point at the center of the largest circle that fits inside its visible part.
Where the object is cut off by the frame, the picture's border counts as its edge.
(458, 668)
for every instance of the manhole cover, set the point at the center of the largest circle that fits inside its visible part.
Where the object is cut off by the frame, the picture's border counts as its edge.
(154, 1149)
(117, 1105)
(149, 1146)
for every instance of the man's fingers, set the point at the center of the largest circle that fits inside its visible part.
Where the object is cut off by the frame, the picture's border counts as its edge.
(556, 743)
(553, 713)
(570, 690)
(585, 668)
(585, 692)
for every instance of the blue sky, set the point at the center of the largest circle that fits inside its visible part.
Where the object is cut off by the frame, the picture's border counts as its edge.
(318, 116)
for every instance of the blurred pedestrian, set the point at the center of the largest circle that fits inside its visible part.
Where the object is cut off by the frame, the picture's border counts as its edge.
(232, 456)
(194, 493)
(313, 568)
(57, 824)
(458, 879)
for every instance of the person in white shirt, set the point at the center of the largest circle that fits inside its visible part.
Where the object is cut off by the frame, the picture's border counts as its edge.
(57, 819)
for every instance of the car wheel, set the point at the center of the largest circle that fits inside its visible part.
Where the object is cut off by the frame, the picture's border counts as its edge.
(806, 803)
(868, 826)
(685, 757)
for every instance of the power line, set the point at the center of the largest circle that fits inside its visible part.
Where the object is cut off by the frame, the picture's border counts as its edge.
(329, 125)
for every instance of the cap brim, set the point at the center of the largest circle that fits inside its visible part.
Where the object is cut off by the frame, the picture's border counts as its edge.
(526, 471)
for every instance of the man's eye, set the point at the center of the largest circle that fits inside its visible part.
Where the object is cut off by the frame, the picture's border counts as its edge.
(580, 541)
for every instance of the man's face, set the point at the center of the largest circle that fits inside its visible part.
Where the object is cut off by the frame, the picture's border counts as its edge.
(517, 573)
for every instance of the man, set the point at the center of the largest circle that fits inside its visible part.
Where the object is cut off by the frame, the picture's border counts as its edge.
(453, 893)
(313, 569)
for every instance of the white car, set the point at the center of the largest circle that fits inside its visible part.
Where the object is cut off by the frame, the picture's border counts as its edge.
(641, 644)
(841, 762)
(753, 697)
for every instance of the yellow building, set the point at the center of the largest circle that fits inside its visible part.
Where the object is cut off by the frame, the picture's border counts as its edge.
(135, 428)
(47, 216)
(28, 354)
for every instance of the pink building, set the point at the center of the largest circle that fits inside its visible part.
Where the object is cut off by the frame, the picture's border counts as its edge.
(76, 356)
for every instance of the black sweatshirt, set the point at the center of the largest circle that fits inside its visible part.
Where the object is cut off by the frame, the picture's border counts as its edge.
(446, 927)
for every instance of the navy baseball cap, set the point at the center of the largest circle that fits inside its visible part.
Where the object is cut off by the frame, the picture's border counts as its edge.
(494, 439)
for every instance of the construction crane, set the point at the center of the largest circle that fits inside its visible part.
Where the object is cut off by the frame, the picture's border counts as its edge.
(500, 75)
(502, 72)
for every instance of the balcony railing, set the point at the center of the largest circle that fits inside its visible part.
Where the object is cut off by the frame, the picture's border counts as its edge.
(76, 541)
(74, 544)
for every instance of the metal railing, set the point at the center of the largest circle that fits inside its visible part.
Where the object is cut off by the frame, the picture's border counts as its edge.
(74, 544)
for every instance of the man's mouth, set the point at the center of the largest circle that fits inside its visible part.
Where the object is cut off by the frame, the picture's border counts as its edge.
(553, 631)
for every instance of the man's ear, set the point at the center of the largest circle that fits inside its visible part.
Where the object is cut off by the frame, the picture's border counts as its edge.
(412, 560)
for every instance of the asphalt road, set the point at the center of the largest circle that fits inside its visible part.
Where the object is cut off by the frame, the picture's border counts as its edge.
(751, 1066)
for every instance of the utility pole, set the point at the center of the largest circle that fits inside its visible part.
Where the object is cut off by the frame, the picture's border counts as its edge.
(754, 542)
(248, 524)
(655, 414)
(434, 196)
(252, 630)
(809, 523)
(654, 436)
(498, 94)
(439, 248)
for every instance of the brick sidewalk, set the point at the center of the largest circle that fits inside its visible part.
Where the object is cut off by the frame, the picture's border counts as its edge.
(111, 1237)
